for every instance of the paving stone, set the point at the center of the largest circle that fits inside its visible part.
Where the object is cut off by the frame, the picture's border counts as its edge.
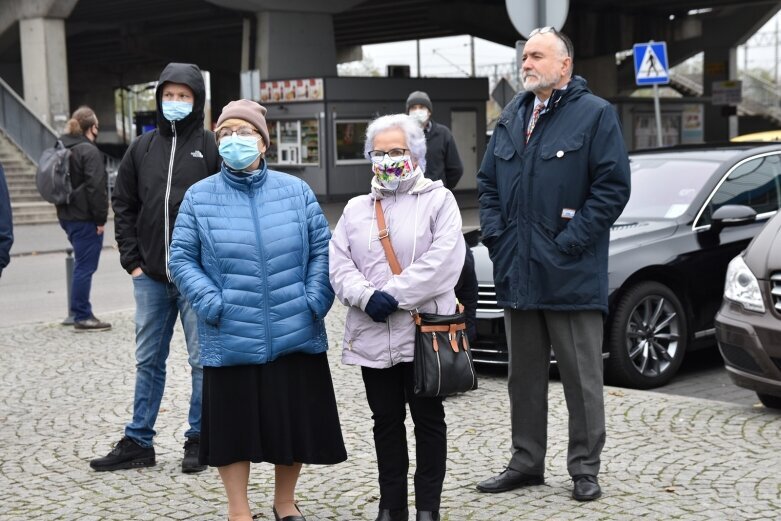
(65, 398)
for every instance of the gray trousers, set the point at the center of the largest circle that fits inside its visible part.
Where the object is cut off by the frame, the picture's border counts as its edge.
(576, 338)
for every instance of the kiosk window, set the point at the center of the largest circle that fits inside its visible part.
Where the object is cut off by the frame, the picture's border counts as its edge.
(350, 135)
(294, 142)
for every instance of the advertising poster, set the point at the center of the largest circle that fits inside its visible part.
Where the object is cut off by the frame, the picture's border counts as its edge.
(291, 91)
(692, 124)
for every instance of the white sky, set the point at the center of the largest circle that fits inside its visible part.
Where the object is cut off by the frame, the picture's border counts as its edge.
(450, 56)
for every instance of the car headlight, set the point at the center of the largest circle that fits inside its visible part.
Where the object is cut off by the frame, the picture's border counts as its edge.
(742, 287)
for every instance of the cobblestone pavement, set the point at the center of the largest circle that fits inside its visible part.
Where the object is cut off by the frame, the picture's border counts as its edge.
(65, 397)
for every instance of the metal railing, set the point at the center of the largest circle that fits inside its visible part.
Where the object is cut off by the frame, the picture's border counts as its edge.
(760, 97)
(22, 126)
(686, 82)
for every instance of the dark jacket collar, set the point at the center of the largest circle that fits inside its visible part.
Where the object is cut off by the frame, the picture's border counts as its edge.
(244, 182)
(576, 88)
(69, 140)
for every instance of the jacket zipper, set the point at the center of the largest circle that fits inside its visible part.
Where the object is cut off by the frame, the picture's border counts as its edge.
(262, 255)
(528, 206)
(390, 351)
(167, 199)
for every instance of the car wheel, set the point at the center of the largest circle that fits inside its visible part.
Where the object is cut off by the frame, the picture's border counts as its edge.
(770, 401)
(647, 336)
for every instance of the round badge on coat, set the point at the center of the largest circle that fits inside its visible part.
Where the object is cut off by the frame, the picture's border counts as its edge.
(560, 153)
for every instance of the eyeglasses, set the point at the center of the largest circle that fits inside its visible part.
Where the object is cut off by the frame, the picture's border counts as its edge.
(394, 153)
(550, 29)
(241, 132)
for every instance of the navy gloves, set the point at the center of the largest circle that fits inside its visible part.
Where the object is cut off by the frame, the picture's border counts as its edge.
(380, 306)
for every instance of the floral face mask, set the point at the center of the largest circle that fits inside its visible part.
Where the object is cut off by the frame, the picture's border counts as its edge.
(390, 172)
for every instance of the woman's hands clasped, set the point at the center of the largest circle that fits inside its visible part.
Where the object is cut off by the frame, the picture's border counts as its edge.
(380, 306)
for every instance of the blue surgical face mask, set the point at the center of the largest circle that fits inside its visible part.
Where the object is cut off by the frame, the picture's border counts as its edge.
(239, 152)
(176, 110)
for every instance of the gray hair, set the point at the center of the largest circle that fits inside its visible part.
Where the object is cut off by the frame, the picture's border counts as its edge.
(416, 140)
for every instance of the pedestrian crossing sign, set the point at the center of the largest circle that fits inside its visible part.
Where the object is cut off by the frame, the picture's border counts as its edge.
(651, 65)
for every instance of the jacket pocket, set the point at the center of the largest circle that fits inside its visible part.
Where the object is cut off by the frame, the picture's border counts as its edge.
(503, 254)
(503, 146)
(561, 148)
(558, 278)
(362, 336)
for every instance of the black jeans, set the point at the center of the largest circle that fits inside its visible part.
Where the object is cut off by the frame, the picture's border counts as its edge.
(387, 390)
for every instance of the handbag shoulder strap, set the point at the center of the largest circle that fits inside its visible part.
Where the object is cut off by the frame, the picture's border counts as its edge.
(384, 235)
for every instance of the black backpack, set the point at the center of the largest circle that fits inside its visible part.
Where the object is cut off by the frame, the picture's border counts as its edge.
(53, 178)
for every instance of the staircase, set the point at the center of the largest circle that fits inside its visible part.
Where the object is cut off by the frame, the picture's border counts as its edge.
(26, 204)
(760, 97)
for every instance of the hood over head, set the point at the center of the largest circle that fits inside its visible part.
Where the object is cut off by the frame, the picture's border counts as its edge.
(187, 74)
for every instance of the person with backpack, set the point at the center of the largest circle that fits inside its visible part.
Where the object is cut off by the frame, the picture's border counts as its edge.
(83, 216)
(156, 171)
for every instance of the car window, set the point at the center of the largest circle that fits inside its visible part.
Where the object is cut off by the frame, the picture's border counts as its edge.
(755, 183)
(664, 188)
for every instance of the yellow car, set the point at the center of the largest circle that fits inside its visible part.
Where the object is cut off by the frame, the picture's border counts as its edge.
(770, 135)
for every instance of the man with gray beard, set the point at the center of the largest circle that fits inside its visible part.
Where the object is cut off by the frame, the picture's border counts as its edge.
(554, 178)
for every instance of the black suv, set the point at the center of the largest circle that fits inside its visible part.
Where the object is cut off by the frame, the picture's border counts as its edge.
(692, 210)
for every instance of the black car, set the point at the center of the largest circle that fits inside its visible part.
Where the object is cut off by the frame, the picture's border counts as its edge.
(692, 209)
(748, 325)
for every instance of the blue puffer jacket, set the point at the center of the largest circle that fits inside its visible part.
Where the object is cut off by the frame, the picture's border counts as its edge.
(546, 206)
(250, 254)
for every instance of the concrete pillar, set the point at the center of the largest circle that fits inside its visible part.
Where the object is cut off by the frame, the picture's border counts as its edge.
(45, 69)
(295, 45)
(600, 73)
(718, 65)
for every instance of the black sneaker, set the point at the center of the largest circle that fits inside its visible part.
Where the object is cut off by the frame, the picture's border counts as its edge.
(127, 454)
(91, 324)
(190, 462)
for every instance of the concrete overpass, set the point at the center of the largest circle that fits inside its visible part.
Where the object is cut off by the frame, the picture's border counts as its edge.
(59, 54)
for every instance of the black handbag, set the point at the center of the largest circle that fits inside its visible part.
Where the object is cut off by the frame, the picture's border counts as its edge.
(443, 363)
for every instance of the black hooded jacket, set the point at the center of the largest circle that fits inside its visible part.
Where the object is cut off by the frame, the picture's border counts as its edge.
(158, 168)
(89, 199)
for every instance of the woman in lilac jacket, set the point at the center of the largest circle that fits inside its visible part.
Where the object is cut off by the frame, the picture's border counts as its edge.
(424, 225)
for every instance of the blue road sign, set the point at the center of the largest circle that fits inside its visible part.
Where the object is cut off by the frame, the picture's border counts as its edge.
(651, 65)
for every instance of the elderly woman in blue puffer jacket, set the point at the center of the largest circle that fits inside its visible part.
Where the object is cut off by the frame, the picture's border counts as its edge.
(250, 253)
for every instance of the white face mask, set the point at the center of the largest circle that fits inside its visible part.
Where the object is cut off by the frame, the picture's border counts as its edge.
(419, 115)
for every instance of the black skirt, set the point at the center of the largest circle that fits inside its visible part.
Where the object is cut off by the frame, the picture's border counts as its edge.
(283, 412)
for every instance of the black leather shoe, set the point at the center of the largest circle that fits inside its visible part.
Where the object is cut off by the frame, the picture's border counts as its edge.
(399, 514)
(586, 488)
(509, 479)
(288, 518)
(424, 515)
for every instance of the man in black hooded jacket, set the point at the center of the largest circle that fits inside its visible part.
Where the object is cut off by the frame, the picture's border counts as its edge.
(157, 170)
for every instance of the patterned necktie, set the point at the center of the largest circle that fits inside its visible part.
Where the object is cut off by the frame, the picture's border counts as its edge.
(533, 121)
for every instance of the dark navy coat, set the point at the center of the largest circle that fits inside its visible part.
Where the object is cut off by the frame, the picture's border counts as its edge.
(546, 207)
